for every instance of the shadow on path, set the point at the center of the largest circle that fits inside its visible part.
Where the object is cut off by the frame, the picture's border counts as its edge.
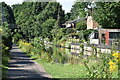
(22, 67)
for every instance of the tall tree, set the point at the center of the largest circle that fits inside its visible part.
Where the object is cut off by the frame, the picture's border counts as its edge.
(7, 19)
(67, 16)
(7, 14)
(107, 14)
(47, 26)
(30, 16)
(78, 9)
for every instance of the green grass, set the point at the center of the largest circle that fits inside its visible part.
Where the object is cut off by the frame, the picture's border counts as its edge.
(5, 60)
(63, 70)
(98, 68)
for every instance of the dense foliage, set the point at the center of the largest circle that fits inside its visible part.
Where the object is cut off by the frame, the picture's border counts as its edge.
(8, 15)
(97, 65)
(37, 18)
(107, 14)
(7, 22)
(38, 24)
(78, 9)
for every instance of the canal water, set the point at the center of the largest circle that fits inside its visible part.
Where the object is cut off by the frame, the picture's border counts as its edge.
(63, 55)
(73, 53)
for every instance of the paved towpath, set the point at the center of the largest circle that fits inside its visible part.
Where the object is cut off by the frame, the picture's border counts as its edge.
(22, 67)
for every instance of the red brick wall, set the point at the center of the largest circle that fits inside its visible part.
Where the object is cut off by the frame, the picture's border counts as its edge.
(107, 37)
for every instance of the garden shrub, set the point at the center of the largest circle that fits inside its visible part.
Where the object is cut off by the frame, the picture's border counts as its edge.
(25, 46)
(105, 66)
(114, 64)
(6, 44)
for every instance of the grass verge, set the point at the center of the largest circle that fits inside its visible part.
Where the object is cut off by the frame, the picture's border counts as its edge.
(63, 70)
(5, 60)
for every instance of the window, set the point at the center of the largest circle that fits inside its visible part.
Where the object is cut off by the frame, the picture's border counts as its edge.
(96, 35)
(114, 35)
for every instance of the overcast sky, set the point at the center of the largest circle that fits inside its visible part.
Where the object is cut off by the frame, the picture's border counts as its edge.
(67, 4)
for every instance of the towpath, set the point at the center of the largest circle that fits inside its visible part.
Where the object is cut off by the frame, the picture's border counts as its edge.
(22, 67)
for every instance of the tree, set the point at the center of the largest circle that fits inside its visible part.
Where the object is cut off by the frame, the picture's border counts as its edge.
(8, 14)
(47, 26)
(8, 19)
(107, 14)
(81, 25)
(7, 36)
(67, 16)
(34, 18)
(78, 9)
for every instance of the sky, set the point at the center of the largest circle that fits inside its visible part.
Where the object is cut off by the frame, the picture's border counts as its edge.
(66, 4)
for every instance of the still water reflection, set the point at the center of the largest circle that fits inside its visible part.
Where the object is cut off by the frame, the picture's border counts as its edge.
(67, 55)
